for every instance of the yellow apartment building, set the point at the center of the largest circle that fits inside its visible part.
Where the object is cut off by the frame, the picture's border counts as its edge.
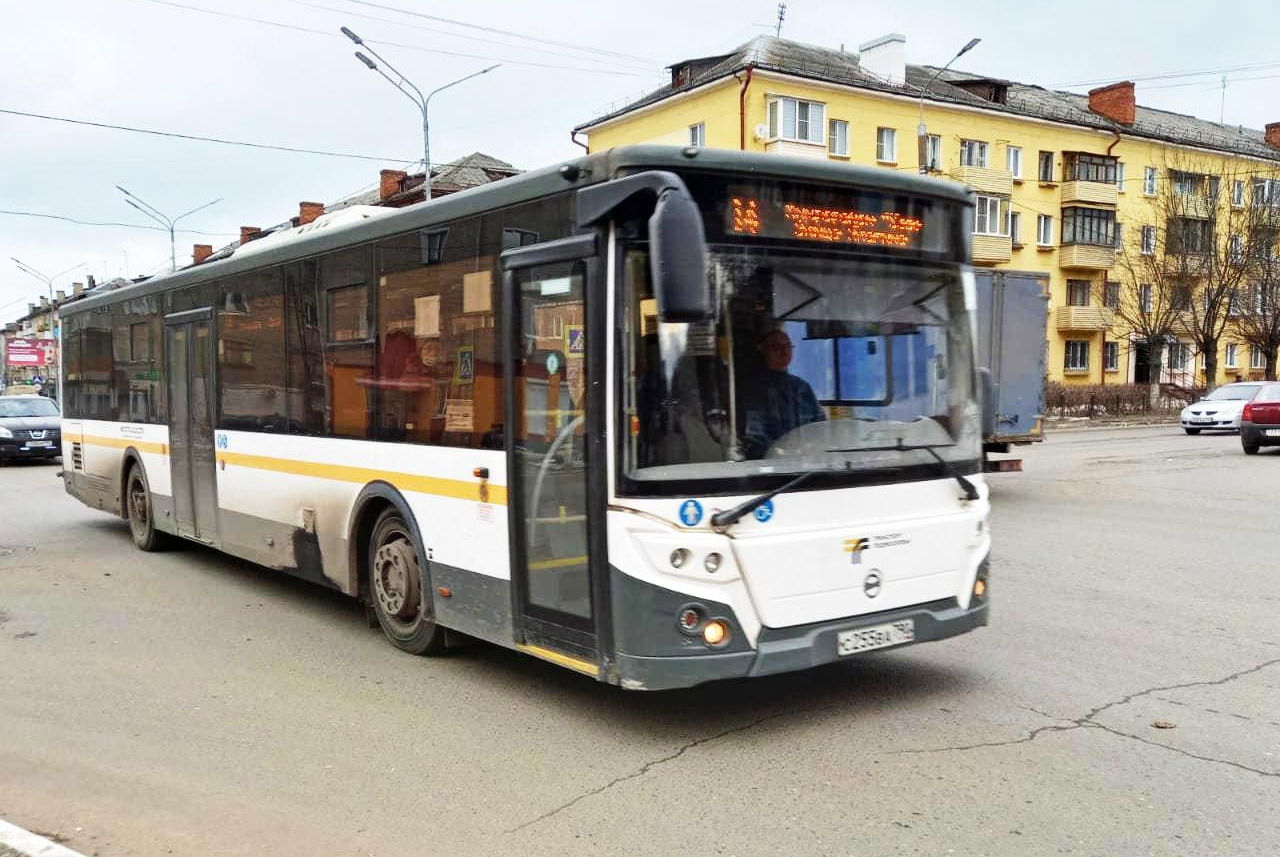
(1081, 190)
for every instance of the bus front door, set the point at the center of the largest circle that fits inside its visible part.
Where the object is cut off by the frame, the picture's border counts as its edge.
(189, 365)
(554, 444)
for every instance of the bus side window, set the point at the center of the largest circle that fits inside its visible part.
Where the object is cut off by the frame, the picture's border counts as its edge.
(251, 363)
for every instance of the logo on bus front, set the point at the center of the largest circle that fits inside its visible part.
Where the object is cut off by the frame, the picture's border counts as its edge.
(690, 513)
(222, 440)
(854, 548)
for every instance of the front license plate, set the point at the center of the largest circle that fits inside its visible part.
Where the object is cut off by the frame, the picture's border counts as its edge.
(40, 444)
(1273, 432)
(1202, 422)
(875, 637)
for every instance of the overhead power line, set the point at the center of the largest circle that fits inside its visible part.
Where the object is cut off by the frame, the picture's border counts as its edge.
(1173, 75)
(512, 33)
(1215, 86)
(220, 140)
(419, 48)
(111, 223)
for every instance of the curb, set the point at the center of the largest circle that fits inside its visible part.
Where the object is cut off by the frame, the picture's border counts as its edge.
(1066, 429)
(26, 842)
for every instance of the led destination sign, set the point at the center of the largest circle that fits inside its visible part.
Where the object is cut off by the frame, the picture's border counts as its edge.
(798, 219)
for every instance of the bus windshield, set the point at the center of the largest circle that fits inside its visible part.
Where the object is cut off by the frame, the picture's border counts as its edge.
(819, 360)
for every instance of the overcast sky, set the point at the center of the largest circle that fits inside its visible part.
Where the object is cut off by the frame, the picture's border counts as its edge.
(165, 66)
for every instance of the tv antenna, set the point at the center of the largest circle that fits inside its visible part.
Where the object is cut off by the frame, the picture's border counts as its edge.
(782, 15)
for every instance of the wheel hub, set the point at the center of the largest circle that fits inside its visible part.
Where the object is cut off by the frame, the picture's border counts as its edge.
(395, 579)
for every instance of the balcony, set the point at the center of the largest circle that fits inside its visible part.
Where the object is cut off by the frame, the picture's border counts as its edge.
(1196, 205)
(992, 249)
(1087, 256)
(796, 149)
(1084, 318)
(1187, 264)
(985, 180)
(1094, 193)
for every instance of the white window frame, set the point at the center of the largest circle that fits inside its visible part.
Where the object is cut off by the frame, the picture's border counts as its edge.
(1013, 160)
(986, 215)
(933, 151)
(889, 136)
(1145, 298)
(1080, 351)
(816, 127)
(973, 153)
(1148, 181)
(1257, 358)
(698, 135)
(1119, 235)
(1014, 228)
(1148, 240)
(1179, 356)
(1119, 177)
(1040, 164)
(1044, 230)
(1111, 356)
(838, 137)
(1231, 356)
(1236, 245)
(1237, 193)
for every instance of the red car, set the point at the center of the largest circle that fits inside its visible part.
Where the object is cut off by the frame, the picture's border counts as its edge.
(1260, 421)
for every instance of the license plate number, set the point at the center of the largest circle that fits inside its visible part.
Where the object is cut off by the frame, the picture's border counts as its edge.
(1273, 432)
(875, 637)
(40, 444)
(1201, 420)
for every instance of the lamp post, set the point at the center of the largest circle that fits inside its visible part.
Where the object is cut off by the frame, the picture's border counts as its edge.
(156, 215)
(48, 281)
(422, 102)
(922, 134)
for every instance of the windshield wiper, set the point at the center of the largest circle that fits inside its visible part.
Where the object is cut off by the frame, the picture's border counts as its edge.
(729, 516)
(970, 490)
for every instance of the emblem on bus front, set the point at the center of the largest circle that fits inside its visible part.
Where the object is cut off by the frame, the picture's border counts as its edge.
(854, 548)
(690, 513)
(871, 583)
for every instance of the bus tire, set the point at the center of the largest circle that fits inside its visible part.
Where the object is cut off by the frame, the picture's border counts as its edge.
(139, 512)
(398, 587)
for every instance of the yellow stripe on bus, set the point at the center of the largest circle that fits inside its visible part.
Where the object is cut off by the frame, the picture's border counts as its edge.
(576, 664)
(123, 443)
(455, 488)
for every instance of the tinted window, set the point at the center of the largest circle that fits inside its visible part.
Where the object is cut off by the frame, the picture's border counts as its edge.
(304, 347)
(251, 362)
(23, 407)
(350, 400)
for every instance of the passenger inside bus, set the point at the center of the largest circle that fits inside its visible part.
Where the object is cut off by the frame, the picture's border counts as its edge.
(774, 401)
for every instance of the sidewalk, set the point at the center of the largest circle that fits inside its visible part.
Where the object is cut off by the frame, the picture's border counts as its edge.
(1061, 424)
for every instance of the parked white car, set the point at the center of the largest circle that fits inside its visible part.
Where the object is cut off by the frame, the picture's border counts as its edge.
(1221, 409)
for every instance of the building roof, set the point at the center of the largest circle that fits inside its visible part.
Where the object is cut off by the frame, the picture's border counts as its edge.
(472, 171)
(838, 66)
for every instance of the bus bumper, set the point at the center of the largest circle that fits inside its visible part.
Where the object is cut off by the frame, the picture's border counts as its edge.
(780, 650)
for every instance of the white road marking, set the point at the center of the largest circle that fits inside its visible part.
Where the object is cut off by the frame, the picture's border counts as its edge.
(26, 842)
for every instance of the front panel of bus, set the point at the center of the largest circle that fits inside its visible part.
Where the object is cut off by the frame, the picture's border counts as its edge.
(839, 367)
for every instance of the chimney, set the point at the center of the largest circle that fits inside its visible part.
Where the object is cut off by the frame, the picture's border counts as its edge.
(1273, 135)
(61, 296)
(92, 282)
(31, 309)
(77, 288)
(248, 233)
(390, 183)
(885, 57)
(1114, 102)
(44, 302)
(309, 211)
(200, 252)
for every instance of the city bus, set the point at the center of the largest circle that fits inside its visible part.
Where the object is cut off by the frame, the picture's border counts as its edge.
(658, 415)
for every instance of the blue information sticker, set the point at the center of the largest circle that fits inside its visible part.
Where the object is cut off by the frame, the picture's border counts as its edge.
(764, 511)
(690, 513)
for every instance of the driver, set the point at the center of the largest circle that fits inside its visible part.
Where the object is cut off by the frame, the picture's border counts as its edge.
(776, 401)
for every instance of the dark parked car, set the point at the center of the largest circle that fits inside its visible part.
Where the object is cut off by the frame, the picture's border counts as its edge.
(30, 427)
(1260, 422)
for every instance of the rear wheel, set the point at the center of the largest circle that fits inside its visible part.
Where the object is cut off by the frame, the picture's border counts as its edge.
(397, 588)
(1250, 448)
(140, 512)
(1192, 431)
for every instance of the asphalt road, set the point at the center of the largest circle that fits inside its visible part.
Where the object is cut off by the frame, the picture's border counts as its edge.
(190, 704)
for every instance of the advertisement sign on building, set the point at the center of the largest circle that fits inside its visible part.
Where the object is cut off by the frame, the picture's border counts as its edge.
(30, 352)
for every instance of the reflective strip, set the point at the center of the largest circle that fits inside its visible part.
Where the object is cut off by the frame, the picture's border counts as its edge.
(455, 488)
(563, 562)
(126, 442)
(561, 659)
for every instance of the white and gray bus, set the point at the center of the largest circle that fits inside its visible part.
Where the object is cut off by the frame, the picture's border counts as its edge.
(657, 415)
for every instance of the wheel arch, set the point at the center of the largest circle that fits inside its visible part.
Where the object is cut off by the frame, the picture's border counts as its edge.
(128, 460)
(372, 501)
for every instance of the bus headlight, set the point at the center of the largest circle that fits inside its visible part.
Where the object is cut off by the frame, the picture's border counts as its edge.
(679, 557)
(712, 563)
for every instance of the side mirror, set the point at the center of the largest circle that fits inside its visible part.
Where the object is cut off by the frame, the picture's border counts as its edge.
(678, 259)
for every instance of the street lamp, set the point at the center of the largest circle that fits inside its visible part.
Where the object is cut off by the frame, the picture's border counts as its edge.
(922, 135)
(155, 214)
(48, 281)
(422, 102)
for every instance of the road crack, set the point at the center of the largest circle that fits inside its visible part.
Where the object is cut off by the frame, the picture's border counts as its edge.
(1089, 721)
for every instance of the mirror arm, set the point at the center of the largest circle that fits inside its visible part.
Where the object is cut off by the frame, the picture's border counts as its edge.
(598, 201)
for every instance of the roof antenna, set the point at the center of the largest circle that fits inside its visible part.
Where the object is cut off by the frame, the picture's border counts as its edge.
(1222, 106)
(782, 15)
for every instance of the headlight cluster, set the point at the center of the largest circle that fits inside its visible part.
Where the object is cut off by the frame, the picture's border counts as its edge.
(680, 557)
(692, 620)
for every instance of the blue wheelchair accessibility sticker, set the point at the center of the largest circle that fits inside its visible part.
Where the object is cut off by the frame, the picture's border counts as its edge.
(764, 511)
(690, 513)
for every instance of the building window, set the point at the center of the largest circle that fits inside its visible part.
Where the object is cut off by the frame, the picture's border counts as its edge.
(1119, 236)
(887, 145)
(1094, 226)
(1013, 160)
(1237, 248)
(1077, 292)
(1111, 356)
(698, 135)
(1046, 167)
(1257, 358)
(1044, 230)
(933, 151)
(1188, 235)
(1015, 227)
(1084, 167)
(986, 216)
(1148, 240)
(1237, 193)
(838, 138)
(792, 119)
(1144, 298)
(1077, 356)
(1120, 177)
(1179, 356)
(973, 153)
(1149, 181)
(1231, 361)
(1266, 191)
(1111, 295)
(1185, 184)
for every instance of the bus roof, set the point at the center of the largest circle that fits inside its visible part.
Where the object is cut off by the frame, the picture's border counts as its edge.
(337, 232)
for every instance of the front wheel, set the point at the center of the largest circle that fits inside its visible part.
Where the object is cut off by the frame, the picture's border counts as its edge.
(397, 588)
(140, 512)
(1192, 431)
(1250, 448)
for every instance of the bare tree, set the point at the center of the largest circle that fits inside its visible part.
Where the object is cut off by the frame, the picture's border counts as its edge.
(1258, 321)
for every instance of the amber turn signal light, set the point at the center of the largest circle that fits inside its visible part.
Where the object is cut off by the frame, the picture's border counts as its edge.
(979, 588)
(715, 633)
